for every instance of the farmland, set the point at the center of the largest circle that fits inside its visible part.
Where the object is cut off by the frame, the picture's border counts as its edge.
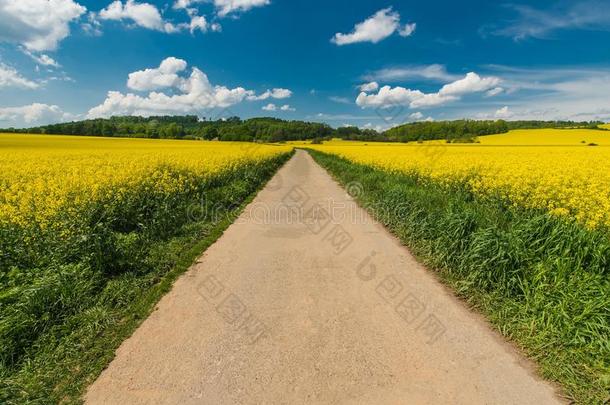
(46, 178)
(549, 137)
(517, 224)
(548, 169)
(279, 202)
(92, 231)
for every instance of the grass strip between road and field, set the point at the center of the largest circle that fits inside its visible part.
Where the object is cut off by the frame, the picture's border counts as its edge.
(542, 281)
(64, 326)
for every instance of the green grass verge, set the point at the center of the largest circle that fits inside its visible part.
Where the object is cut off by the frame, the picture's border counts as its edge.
(542, 281)
(61, 324)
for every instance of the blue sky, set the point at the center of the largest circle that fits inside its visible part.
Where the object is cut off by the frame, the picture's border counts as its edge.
(364, 63)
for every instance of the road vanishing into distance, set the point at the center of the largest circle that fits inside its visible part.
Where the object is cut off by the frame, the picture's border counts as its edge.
(305, 299)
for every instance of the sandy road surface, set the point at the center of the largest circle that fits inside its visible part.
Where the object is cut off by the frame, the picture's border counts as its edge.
(305, 300)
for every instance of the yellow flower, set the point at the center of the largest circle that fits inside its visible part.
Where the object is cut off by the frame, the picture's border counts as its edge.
(44, 178)
(548, 169)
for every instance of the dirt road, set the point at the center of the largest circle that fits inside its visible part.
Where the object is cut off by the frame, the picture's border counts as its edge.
(306, 300)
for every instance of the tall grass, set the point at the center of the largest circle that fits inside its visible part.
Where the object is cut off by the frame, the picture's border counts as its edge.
(65, 306)
(544, 282)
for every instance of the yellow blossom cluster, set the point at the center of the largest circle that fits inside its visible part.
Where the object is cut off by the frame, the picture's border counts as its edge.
(549, 169)
(43, 176)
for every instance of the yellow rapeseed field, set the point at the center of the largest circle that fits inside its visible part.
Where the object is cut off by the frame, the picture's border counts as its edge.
(533, 168)
(542, 137)
(43, 176)
(562, 137)
(550, 137)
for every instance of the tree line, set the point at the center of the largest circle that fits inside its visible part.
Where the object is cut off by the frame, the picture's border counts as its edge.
(277, 130)
(458, 130)
(188, 127)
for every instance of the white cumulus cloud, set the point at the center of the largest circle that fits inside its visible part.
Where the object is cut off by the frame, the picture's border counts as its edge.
(148, 16)
(185, 4)
(225, 7)
(145, 15)
(388, 96)
(472, 83)
(273, 107)
(200, 23)
(33, 114)
(371, 86)
(186, 93)
(38, 25)
(376, 28)
(277, 93)
(166, 75)
(9, 77)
